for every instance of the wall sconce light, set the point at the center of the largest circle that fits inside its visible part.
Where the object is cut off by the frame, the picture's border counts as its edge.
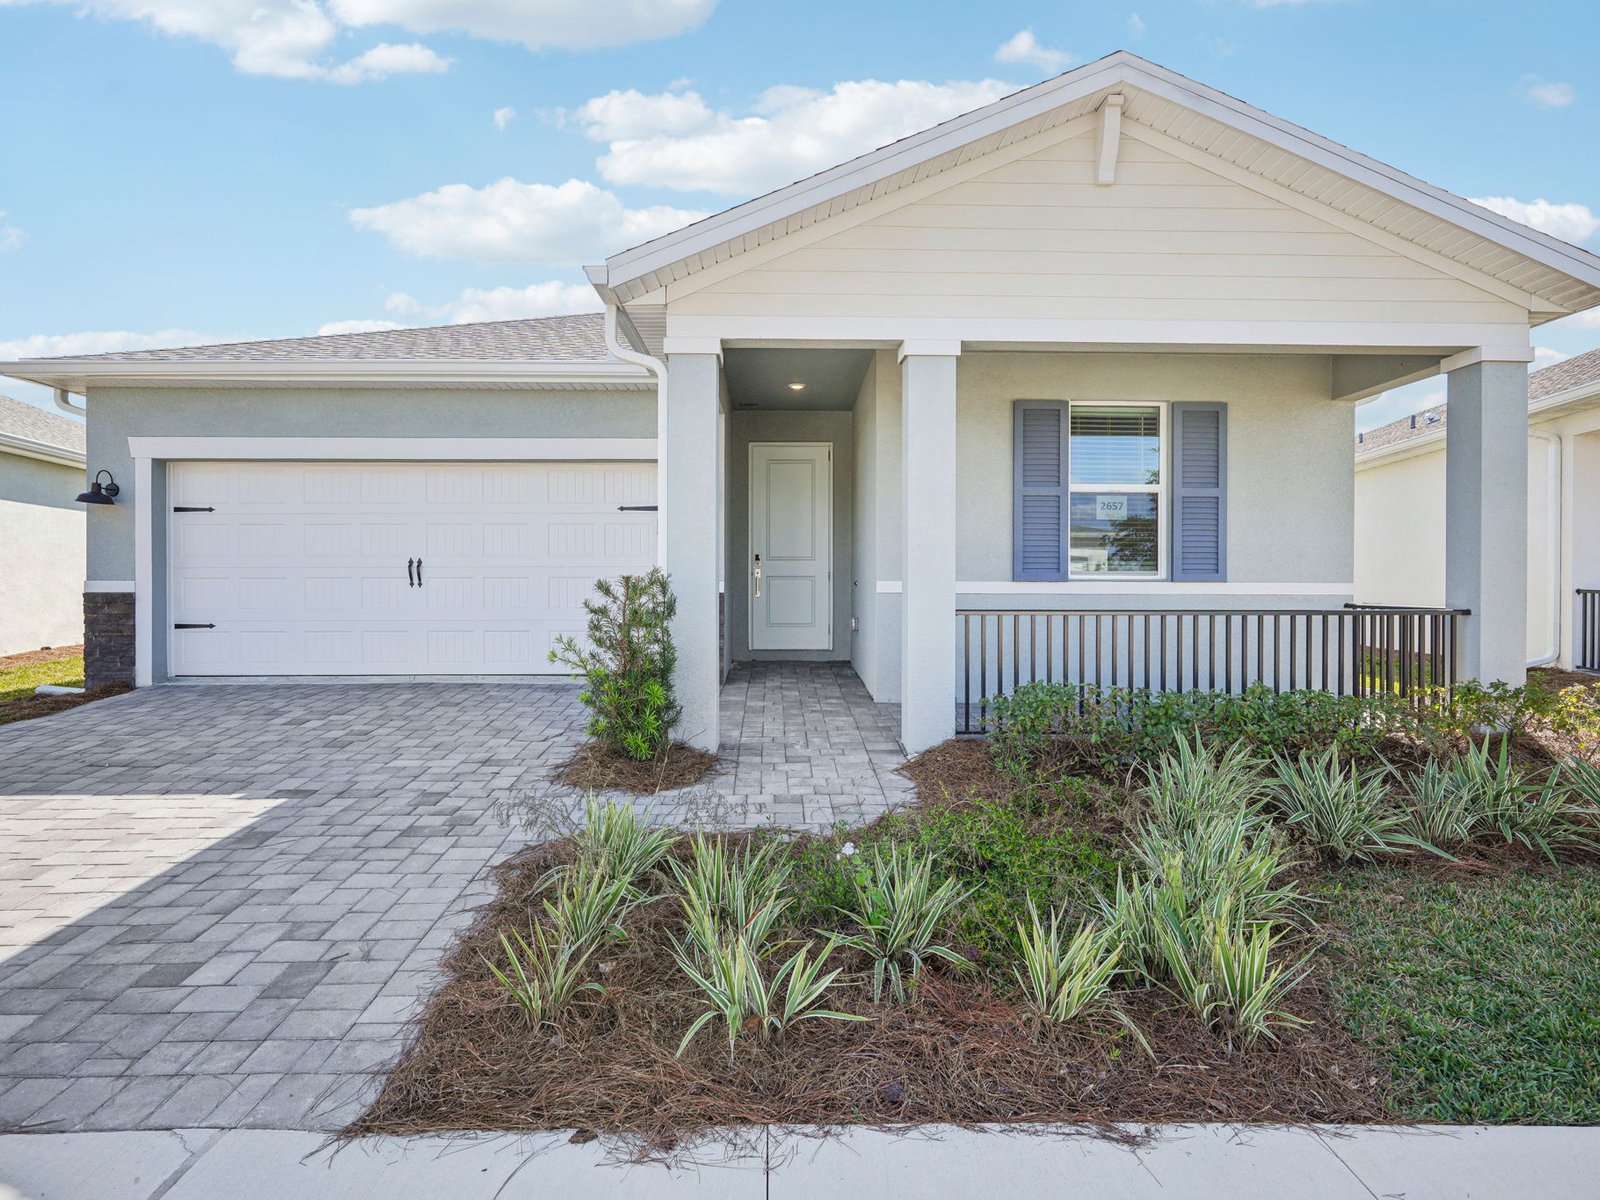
(100, 493)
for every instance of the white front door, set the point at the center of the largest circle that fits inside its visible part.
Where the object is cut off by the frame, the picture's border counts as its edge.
(311, 568)
(791, 543)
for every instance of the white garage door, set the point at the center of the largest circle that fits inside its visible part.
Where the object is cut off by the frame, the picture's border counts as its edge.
(290, 568)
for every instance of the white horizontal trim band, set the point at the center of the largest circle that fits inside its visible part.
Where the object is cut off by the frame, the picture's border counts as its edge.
(108, 585)
(394, 449)
(1001, 587)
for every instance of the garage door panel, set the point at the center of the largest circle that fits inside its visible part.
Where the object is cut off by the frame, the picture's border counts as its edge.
(303, 567)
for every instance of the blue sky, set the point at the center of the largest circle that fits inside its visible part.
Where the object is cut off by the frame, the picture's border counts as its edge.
(220, 169)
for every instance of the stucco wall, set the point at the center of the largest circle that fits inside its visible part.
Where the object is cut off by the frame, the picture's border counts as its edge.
(115, 414)
(794, 426)
(42, 538)
(876, 655)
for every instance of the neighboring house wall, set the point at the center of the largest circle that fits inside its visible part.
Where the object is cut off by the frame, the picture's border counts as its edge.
(787, 426)
(1025, 234)
(42, 533)
(1400, 527)
(116, 414)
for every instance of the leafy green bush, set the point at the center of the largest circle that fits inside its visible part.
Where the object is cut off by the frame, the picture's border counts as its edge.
(627, 665)
(1036, 724)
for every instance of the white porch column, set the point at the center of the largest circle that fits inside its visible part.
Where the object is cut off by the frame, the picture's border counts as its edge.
(1486, 515)
(688, 497)
(928, 544)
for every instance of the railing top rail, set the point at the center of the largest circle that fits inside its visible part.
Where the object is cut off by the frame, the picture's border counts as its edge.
(1587, 591)
(1411, 608)
(1211, 612)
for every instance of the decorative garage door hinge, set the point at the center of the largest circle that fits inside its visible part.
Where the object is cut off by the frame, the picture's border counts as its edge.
(191, 625)
(638, 507)
(186, 508)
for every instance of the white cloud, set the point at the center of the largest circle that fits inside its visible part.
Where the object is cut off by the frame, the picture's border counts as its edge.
(675, 140)
(336, 327)
(1136, 25)
(1548, 94)
(1544, 356)
(1024, 47)
(1571, 222)
(48, 345)
(10, 236)
(504, 117)
(514, 222)
(386, 59)
(553, 298)
(292, 39)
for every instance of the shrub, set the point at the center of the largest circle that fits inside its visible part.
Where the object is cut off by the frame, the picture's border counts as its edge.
(1063, 980)
(588, 906)
(900, 911)
(543, 974)
(627, 664)
(616, 843)
(732, 977)
(727, 895)
(1341, 812)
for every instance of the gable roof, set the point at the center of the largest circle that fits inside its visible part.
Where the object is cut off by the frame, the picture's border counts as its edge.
(34, 433)
(1561, 278)
(1571, 380)
(566, 350)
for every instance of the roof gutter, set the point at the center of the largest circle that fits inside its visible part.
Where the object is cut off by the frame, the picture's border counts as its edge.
(67, 374)
(62, 456)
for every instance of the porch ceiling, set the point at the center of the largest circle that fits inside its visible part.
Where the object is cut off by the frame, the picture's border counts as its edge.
(760, 378)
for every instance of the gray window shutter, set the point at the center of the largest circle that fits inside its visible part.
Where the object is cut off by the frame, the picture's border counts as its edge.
(1039, 490)
(1200, 492)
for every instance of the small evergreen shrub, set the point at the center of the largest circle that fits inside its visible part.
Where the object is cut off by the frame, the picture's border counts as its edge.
(627, 665)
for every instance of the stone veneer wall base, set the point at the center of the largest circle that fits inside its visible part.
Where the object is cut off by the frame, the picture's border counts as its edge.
(107, 638)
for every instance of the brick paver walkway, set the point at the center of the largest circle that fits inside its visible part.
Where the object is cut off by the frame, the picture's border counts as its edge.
(219, 905)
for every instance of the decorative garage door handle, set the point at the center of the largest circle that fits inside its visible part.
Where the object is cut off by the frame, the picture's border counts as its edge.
(419, 572)
(411, 579)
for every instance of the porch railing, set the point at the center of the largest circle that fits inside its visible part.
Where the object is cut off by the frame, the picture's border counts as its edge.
(1354, 650)
(1586, 656)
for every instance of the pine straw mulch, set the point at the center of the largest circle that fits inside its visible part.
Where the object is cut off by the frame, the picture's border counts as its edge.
(963, 1054)
(597, 768)
(28, 658)
(26, 708)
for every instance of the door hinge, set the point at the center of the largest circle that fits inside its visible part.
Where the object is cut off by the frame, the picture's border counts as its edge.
(192, 625)
(187, 508)
(638, 507)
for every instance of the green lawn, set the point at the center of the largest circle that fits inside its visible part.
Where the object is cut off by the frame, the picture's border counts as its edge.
(18, 682)
(1482, 995)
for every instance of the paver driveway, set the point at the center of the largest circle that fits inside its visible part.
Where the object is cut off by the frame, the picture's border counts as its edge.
(219, 904)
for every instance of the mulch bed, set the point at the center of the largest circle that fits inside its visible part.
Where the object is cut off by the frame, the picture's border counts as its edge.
(29, 657)
(964, 1053)
(27, 707)
(597, 768)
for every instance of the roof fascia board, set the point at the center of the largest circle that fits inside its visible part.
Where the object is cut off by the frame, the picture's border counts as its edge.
(921, 190)
(1574, 399)
(52, 372)
(1326, 213)
(1286, 135)
(43, 451)
(868, 168)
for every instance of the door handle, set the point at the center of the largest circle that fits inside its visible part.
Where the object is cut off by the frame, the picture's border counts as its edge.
(411, 580)
(419, 572)
(758, 577)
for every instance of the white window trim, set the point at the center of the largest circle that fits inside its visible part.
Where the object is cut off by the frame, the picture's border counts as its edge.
(1160, 491)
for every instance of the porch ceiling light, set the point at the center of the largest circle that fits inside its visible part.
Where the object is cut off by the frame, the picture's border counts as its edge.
(797, 387)
(100, 493)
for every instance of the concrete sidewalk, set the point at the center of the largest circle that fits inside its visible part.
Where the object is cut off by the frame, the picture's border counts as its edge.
(1201, 1161)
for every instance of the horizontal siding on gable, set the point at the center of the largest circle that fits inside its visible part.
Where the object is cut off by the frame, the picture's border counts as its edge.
(1036, 237)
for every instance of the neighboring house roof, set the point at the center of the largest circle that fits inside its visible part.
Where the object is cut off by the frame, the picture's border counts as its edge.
(30, 431)
(566, 350)
(1571, 379)
(1557, 277)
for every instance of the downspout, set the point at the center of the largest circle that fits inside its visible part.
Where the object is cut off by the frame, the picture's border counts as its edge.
(620, 349)
(66, 405)
(1553, 537)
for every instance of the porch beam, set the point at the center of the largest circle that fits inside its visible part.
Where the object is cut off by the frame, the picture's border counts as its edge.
(928, 547)
(688, 499)
(1486, 516)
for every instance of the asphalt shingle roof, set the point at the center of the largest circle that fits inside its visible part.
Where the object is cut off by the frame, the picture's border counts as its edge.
(26, 421)
(1546, 381)
(576, 338)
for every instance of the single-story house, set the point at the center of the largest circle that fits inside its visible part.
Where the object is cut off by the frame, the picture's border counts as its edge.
(1400, 512)
(1063, 387)
(41, 529)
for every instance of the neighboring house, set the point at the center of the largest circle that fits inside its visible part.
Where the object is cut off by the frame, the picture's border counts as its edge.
(41, 529)
(1400, 511)
(1090, 349)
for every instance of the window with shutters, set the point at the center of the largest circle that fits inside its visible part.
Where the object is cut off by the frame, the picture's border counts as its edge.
(1106, 489)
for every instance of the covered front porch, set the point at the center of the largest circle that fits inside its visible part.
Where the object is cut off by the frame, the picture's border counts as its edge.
(882, 507)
